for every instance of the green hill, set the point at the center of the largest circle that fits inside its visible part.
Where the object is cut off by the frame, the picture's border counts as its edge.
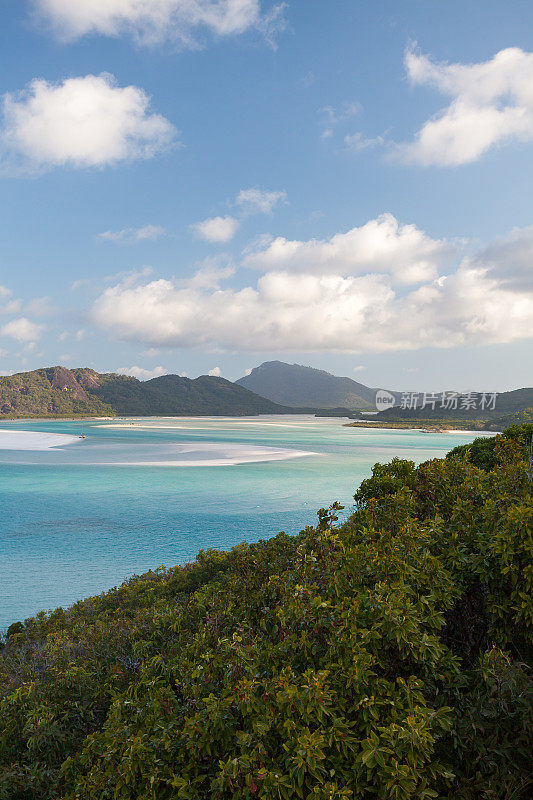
(388, 656)
(60, 392)
(50, 392)
(299, 386)
(481, 408)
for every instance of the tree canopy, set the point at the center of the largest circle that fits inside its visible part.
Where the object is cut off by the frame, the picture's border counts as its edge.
(386, 655)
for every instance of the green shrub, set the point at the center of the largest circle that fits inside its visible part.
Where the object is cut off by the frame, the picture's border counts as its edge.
(386, 657)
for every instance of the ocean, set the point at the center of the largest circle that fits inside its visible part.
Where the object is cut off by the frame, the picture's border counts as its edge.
(79, 515)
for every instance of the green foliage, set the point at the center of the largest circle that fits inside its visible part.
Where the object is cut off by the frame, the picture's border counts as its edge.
(482, 452)
(386, 657)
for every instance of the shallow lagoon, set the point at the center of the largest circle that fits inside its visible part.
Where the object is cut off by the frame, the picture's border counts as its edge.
(78, 516)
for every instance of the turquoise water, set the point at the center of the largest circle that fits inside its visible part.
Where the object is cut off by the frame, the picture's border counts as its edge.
(79, 519)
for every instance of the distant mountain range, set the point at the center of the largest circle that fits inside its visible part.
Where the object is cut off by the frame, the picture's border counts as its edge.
(298, 386)
(294, 385)
(61, 392)
(272, 388)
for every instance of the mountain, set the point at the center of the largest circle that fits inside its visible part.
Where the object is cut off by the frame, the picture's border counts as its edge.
(298, 386)
(50, 392)
(60, 392)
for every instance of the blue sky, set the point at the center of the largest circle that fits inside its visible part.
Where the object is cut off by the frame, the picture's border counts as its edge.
(207, 185)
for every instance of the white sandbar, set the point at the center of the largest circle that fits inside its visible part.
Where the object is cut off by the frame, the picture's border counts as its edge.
(33, 440)
(218, 454)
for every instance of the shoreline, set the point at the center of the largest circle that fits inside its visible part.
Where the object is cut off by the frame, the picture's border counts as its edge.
(386, 426)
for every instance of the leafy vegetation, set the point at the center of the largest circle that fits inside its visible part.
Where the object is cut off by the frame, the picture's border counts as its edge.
(483, 452)
(387, 656)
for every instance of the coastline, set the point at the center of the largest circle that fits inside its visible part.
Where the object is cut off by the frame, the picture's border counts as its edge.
(442, 428)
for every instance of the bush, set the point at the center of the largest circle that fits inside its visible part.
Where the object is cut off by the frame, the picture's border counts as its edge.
(386, 657)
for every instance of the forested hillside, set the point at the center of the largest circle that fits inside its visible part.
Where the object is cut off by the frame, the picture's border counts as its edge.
(60, 392)
(299, 386)
(385, 655)
(50, 392)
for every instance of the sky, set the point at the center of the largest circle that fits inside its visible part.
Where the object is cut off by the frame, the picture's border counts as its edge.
(198, 186)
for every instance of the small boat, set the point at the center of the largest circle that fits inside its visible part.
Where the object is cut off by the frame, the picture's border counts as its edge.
(81, 436)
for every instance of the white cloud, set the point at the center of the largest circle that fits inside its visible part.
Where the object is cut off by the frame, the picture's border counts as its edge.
(328, 313)
(151, 21)
(509, 259)
(217, 229)
(142, 374)
(331, 117)
(347, 110)
(491, 104)
(133, 235)
(381, 245)
(360, 368)
(359, 142)
(39, 307)
(215, 372)
(8, 304)
(256, 201)
(300, 311)
(248, 371)
(81, 122)
(23, 330)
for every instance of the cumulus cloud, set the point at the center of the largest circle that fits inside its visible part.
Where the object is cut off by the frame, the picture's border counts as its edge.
(257, 201)
(142, 374)
(215, 372)
(80, 122)
(22, 330)
(491, 104)
(382, 245)
(509, 259)
(146, 233)
(315, 301)
(302, 312)
(152, 21)
(39, 307)
(217, 229)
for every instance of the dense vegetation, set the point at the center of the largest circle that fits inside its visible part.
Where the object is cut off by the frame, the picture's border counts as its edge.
(60, 392)
(49, 392)
(483, 452)
(386, 657)
(172, 394)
